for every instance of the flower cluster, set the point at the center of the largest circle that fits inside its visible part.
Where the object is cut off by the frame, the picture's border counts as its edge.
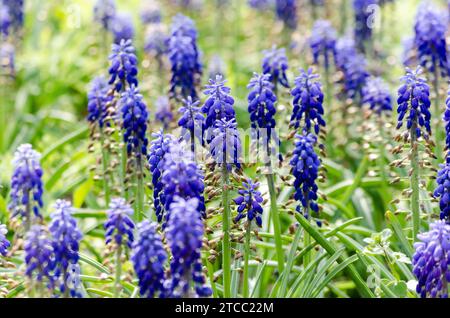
(156, 41)
(122, 27)
(308, 102)
(39, 255)
(249, 202)
(184, 234)
(98, 99)
(305, 168)
(163, 113)
(158, 148)
(376, 94)
(286, 11)
(355, 76)
(134, 121)
(66, 239)
(191, 119)
(216, 67)
(414, 103)
(430, 31)
(123, 67)
(446, 118)
(148, 259)
(26, 183)
(323, 42)
(16, 13)
(104, 12)
(5, 20)
(119, 226)
(431, 261)
(225, 147)
(275, 63)
(260, 5)
(345, 51)
(151, 13)
(443, 191)
(4, 243)
(363, 29)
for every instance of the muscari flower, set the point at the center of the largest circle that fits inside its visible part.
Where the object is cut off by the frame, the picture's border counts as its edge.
(275, 63)
(216, 67)
(151, 13)
(39, 255)
(286, 11)
(98, 99)
(119, 226)
(191, 119)
(219, 103)
(16, 13)
(355, 76)
(431, 260)
(376, 94)
(414, 103)
(308, 102)
(5, 20)
(104, 12)
(122, 27)
(156, 41)
(4, 243)
(363, 14)
(225, 147)
(442, 191)
(66, 239)
(260, 5)
(123, 69)
(430, 31)
(184, 235)
(345, 51)
(148, 259)
(158, 148)
(409, 57)
(134, 121)
(249, 202)
(305, 168)
(163, 113)
(323, 42)
(26, 183)
(446, 118)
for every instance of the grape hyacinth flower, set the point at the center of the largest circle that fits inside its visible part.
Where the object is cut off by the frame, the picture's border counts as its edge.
(158, 148)
(104, 12)
(123, 69)
(66, 239)
(119, 226)
(249, 203)
(39, 255)
(148, 259)
(4, 243)
(275, 63)
(122, 27)
(156, 41)
(5, 20)
(305, 168)
(355, 76)
(409, 56)
(323, 42)
(26, 184)
(98, 99)
(442, 191)
(345, 51)
(134, 116)
(260, 5)
(184, 234)
(219, 103)
(225, 147)
(16, 13)
(430, 31)
(363, 29)
(216, 67)
(286, 11)
(151, 13)
(191, 120)
(431, 259)
(446, 118)
(308, 103)
(376, 94)
(163, 113)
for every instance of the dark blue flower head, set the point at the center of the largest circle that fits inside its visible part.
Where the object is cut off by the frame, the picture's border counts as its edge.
(163, 113)
(414, 103)
(430, 31)
(148, 259)
(446, 119)
(191, 119)
(355, 76)
(225, 147)
(260, 5)
(184, 234)
(286, 11)
(26, 183)
(219, 103)
(376, 94)
(249, 202)
(159, 146)
(98, 99)
(363, 15)
(323, 42)
(4, 243)
(275, 63)
(119, 226)
(151, 13)
(123, 69)
(431, 260)
(5, 20)
(104, 12)
(39, 255)
(134, 121)
(442, 191)
(308, 102)
(305, 168)
(16, 13)
(345, 51)
(122, 27)
(156, 41)
(66, 239)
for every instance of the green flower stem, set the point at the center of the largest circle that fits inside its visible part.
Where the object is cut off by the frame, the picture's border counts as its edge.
(306, 237)
(276, 222)
(245, 289)
(117, 285)
(138, 211)
(123, 161)
(27, 215)
(210, 267)
(226, 244)
(415, 194)
(105, 161)
(343, 10)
